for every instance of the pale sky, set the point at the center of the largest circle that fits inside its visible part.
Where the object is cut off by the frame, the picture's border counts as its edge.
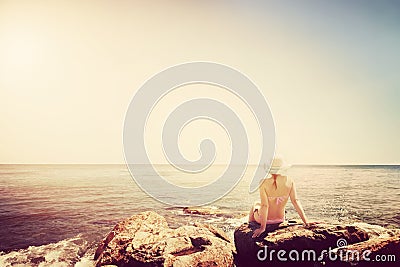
(328, 69)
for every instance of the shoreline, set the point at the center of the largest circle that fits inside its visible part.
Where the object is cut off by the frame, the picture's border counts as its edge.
(86, 251)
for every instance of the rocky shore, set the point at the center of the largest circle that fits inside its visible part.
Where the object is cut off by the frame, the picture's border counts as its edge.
(146, 240)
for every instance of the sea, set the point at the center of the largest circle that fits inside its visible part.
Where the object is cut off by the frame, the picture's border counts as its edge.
(55, 215)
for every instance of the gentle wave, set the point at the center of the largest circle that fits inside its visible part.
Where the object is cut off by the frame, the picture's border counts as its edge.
(74, 251)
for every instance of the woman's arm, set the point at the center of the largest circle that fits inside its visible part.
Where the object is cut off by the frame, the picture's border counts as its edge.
(263, 211)
(297, 205)
(251, 214)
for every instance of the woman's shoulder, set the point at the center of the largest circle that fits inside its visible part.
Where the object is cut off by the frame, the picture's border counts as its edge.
(287, 178)
(290, 182)
(265, 181)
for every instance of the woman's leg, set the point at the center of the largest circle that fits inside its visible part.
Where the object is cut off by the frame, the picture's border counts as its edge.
(253, 214)
(257, 215)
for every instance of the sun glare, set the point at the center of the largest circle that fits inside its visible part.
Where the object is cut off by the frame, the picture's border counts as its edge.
(20, 50)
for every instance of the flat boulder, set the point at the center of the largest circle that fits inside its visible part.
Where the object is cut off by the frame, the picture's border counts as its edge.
(146, 240)
(317, 245)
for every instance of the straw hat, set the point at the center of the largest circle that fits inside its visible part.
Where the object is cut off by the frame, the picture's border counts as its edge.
(278, 166)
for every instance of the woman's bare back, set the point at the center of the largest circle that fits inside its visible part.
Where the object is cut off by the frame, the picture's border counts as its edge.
(278, 193)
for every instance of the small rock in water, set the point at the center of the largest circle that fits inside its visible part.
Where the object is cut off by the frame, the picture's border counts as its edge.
(209, 210)
(146, 240)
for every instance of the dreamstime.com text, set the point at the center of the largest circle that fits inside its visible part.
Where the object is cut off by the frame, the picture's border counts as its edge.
(330, 254)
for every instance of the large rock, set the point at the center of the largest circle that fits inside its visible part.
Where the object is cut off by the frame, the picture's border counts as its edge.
(146, 240)
(334, 245)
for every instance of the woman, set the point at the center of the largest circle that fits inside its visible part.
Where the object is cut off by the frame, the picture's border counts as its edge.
(274, 194)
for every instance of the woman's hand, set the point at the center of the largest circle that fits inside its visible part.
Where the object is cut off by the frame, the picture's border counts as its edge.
(258, 232)
(309, 224)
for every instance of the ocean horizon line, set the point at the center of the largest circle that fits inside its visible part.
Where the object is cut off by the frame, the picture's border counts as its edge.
(220, 164)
